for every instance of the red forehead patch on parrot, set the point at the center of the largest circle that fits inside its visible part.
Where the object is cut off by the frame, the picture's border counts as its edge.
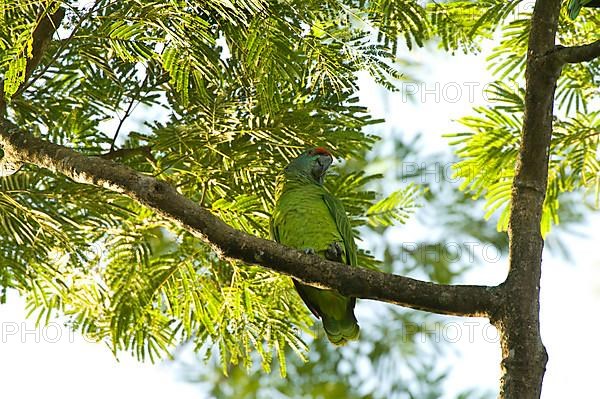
(321, 151)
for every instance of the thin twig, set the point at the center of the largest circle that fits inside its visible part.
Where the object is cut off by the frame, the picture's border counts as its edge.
(129, 109)
(127, 152)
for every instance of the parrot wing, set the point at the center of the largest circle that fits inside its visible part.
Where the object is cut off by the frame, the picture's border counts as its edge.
(574, 6)
(274, 231)
(304, 296)
(343, 225)
(335, 310)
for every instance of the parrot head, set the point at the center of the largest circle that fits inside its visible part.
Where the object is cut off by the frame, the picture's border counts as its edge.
(310, 164)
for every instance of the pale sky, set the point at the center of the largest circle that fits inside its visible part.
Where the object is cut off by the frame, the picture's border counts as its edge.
(52, 362)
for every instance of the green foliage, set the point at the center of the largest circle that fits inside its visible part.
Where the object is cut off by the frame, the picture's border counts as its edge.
(489, 151)
(401, 369)
(229, 92)
(16, 45)
(398, 354)
(489, 148)
(398, 206)
(228, 116)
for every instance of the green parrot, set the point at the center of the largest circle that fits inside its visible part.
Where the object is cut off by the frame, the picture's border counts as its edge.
(574, 6)
(309, 218)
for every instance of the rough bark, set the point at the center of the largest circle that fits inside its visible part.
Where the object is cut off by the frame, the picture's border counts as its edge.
(576, 54)
(524, 356)
(513, 306)
(42, 36)
(463, 300)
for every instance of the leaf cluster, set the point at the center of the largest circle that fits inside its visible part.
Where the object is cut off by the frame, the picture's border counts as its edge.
(229, 92)
(489, 146)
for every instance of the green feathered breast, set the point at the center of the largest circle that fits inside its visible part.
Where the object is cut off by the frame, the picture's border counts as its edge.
(309, 218)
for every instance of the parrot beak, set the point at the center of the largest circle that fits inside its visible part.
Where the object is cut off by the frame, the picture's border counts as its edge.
(320, 167)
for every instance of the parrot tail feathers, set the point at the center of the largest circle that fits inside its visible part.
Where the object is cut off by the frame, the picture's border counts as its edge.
(341, 331)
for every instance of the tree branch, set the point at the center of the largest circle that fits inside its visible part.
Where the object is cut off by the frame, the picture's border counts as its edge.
(63, 45)
(576, 54)
(464, 300)
(9, 167)
(9, 164)
(145, 150)
(42, 35)
(41, 38)
(524, 357)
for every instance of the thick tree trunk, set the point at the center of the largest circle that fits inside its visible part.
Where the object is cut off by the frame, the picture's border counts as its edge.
(513, 306)
(524, 356)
